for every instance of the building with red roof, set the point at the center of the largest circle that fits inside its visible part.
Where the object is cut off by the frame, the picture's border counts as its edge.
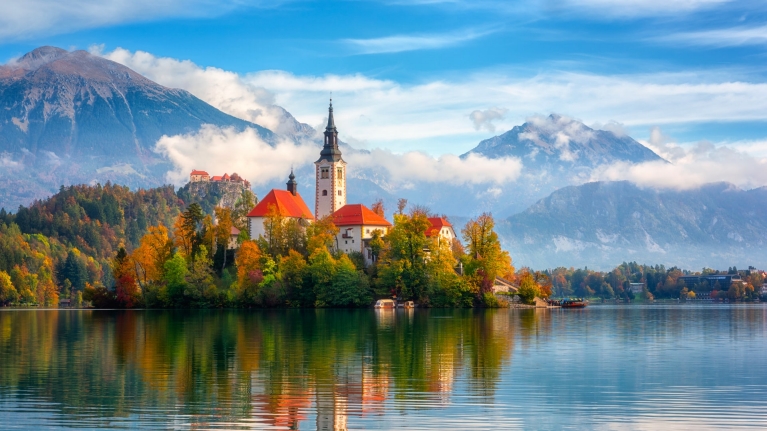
(441, 227)
(356, 224)
(287, 203)
(197, 176)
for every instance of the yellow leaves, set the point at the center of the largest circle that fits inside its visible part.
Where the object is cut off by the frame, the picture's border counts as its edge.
(150, 256)
(248, 260)
(321, 235)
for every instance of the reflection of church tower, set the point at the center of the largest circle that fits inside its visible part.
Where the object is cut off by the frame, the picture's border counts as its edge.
(331, 173)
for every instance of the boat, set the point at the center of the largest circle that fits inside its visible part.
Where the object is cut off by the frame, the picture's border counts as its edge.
(407, 304)
(573, 303)
(386, 304)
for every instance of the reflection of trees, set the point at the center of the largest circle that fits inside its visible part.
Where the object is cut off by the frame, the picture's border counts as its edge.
(265, 366)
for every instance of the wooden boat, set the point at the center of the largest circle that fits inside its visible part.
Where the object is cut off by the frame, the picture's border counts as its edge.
(573, 303)
(386, 304)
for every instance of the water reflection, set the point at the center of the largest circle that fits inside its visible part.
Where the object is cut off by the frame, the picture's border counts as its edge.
(275, 368)
(608, 367)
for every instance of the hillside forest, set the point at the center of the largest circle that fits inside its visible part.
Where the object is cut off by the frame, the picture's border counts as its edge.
(108, 246)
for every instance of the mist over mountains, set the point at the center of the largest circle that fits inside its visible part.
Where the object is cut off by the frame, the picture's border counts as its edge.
(73, 117)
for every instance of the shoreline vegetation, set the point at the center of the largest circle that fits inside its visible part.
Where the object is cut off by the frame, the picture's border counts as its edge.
(109, 247)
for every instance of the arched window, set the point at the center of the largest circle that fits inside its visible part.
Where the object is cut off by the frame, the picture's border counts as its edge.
(324, 193)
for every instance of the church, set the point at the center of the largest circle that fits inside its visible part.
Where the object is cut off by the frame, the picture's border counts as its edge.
(357, 223)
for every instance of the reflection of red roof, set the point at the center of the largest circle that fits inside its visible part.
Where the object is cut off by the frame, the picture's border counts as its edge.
(196, 172)
(286, 204)
(437, 223)
(358, 214)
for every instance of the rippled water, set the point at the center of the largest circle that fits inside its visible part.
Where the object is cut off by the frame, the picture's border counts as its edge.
(605, 367)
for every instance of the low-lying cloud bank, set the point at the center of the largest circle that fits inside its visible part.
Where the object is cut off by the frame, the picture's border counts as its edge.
(226, 150)
(689, 166)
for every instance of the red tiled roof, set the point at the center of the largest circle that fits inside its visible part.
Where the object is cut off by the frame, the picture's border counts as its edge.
(235, 231)
(226, 176)
(216, 178)
(287, 205)
(437, 223)
(358, 214)
(196, 172)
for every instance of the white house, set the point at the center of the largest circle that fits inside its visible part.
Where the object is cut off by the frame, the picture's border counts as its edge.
(441, 227)
(356, 225)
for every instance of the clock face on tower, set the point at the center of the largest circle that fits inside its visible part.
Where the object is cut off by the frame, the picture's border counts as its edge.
(330, 173)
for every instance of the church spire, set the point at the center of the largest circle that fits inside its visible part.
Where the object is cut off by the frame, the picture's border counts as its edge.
(330, 150)
(331, 121)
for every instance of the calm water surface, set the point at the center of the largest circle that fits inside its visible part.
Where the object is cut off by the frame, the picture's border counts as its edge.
(605, 367)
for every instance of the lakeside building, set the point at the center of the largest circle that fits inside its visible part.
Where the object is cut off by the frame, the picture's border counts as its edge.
(356, 225)
(287, 203)
(725, 280)
(441, 227)
(636, 288)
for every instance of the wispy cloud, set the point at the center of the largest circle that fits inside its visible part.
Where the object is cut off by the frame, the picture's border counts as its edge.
(636, 8)
(30, 18)
(734, 36)
(402, 43)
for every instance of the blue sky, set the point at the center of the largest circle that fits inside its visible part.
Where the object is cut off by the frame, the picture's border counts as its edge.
(409, 74)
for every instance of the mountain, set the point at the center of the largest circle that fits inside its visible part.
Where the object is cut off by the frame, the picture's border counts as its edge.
(72, 117)
(602, 224)
(556, 151)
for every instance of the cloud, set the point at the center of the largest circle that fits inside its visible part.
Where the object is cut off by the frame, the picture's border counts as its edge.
(637, 8)
(220, 151)
(6, 161)
(415, 166)
(21, 19)
(430, 116)
(735, 36)
(691, 166)
(401, 43)
(225, 90)
(484, 119)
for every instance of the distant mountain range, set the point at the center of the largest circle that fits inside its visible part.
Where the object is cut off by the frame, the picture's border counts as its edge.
(72, 117)
(601, 224)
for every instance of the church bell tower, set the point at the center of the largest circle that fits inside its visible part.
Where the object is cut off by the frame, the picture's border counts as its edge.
(331, 173)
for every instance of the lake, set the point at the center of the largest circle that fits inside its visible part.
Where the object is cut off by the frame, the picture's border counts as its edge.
(605, 367)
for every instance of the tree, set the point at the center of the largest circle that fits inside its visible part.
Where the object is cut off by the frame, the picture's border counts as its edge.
(8, 293)
(528, 288)
(242, 207)
(248, 262)
(148, 260)
(223, 229)
(485, 252)
(321, 235)
(74, 270)
(402, 267)
(174, 276)
(186, 233)
(378, 208)
(293, 268)
(199, 278)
